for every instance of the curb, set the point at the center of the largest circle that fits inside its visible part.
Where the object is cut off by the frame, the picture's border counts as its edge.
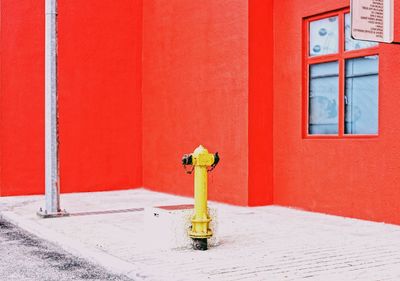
(98, 257)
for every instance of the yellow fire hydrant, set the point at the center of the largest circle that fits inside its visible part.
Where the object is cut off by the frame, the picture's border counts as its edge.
(202, 162)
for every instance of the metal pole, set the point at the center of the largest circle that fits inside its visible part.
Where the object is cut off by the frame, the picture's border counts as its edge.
(52, 183)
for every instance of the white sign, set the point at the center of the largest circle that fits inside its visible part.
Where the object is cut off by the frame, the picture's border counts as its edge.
(372, 20)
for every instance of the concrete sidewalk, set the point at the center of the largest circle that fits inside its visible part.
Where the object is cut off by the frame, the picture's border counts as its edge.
(266, 243)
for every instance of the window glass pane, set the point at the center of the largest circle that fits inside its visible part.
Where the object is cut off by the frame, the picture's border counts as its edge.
(361, 96)
(352, 44)
(324, 36)
(323, 98)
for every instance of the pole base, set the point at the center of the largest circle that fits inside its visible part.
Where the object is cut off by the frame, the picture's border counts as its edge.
(46, 215)
(200, 244)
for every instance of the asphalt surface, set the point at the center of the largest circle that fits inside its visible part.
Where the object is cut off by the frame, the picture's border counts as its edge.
(26, 257)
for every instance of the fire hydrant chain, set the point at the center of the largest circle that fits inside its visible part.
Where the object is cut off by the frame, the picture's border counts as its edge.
(187, 159)
(188, 171)
(200, 160)
(216, 160)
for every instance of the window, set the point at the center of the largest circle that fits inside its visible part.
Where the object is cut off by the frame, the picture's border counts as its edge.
(341, 79)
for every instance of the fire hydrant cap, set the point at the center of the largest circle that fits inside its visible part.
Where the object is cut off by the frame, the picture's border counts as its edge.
(201, 157)
(200, 150)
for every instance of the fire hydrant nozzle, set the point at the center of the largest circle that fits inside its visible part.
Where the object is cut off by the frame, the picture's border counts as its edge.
(202, 162)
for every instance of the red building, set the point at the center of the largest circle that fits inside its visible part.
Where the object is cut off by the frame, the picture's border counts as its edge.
(301, 114)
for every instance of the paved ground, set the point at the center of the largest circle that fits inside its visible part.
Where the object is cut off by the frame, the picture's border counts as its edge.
(267, 243)
(25, 257)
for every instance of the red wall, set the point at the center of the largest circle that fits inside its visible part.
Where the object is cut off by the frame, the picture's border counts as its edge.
(261, 30)
(195, 91)
(22, 97)
(397, 21)
(100, 94)
(350, 177)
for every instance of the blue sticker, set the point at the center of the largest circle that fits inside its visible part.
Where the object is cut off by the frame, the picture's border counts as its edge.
(317, 49)
(322, 32)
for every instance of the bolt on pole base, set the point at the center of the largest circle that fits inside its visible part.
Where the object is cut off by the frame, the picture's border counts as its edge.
(46, 215)
(200, 244)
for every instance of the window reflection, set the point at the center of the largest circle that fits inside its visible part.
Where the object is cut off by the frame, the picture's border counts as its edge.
(323, 98)
(361, 95)
(352, 44)
(324, 36)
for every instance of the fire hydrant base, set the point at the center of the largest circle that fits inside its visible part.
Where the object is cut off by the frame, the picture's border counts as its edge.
(200, 244)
